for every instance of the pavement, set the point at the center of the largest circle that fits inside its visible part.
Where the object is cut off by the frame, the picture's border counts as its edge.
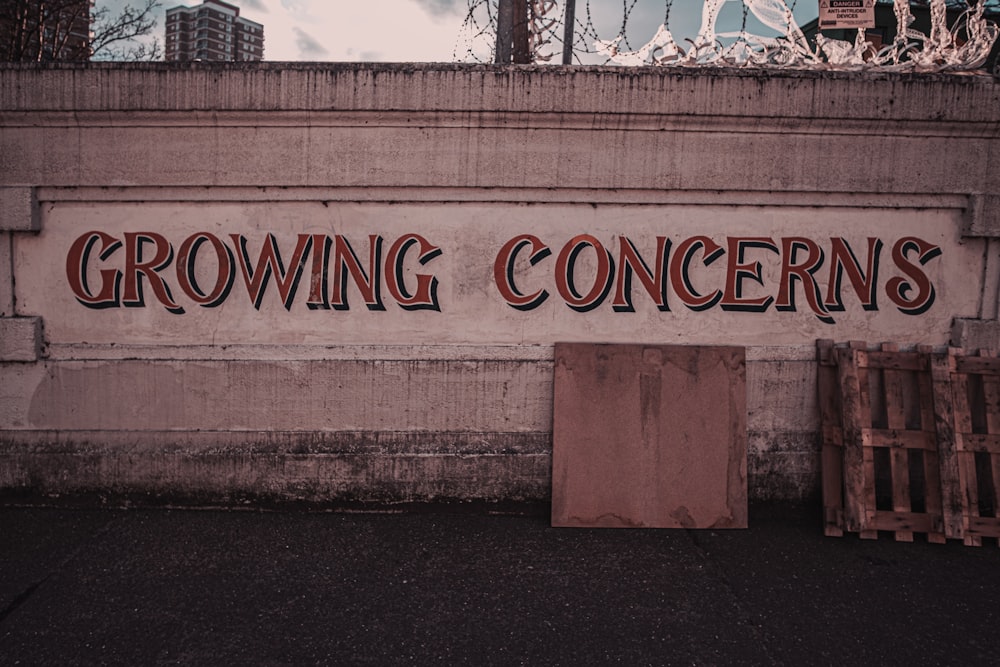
(187, 587)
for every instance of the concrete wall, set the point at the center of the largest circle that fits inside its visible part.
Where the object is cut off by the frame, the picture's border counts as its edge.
(279, 398)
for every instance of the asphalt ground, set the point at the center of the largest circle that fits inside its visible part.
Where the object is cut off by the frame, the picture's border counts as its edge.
(185, 587)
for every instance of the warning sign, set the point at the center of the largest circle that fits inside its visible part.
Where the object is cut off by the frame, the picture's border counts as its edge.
(835, 14)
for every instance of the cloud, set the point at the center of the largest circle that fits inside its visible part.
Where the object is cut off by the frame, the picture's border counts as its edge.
(442, 8)
(364, 56)
(307, 44)
(370, 30)
(256, 5)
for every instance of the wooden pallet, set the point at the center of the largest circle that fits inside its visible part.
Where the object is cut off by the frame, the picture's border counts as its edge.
(911, 442)
(975, 393)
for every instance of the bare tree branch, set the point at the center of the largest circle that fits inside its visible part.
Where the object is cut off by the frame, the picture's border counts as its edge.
(38, 30)
(114, 36)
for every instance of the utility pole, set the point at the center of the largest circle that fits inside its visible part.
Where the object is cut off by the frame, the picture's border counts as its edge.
(513, 34)
(568, 31)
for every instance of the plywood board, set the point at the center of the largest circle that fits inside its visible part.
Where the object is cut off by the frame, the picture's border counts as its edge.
(649, 436)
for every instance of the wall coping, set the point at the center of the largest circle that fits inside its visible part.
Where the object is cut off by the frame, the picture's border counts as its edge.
(82, 87)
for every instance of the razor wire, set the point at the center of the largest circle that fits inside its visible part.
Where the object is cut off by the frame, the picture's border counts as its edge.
(960, 38)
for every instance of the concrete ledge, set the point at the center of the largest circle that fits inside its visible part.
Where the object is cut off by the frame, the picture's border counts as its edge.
(976, 334)
(335, 467)
(20, 338)
(485, 434)
(19, 210)
(982, 217)
(432, 87)
(226, 479)
(383, 125)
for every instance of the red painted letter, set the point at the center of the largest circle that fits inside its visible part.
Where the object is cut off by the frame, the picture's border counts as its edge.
(368, 283)
(136, 266)
(737, 270)
(503, 271)
(565, 264)
(225, 273)
(681, 281)
(791, 270)
(842, 260)
(76, 271)
(319, 297)
(425, 297)
(899, 289)
(268, 262)
(655, 282)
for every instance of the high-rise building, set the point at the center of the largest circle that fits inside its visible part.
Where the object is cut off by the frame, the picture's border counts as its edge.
(212, 31)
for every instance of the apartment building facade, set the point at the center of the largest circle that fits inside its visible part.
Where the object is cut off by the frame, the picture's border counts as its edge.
(212, 31)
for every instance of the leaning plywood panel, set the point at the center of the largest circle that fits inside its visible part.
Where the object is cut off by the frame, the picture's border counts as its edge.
(649, 436)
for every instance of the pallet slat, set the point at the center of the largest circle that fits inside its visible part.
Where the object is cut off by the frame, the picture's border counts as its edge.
(984, 526)
(853, 381)
(899, 439)
(982, 442)
(978, 365)
(944, 419)
(966, 459)
(833, 441)
(906, 521)
(991, 442)
(899, 468)
(890, 358)
(932, 466)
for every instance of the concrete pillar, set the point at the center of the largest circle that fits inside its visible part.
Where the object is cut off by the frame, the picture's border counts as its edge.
(20, 337)
(982, 220)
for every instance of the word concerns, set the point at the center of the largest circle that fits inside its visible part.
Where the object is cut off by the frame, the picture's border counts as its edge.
(584, 273)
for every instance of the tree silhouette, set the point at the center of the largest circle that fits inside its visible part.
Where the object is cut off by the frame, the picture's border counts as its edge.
(49, 30)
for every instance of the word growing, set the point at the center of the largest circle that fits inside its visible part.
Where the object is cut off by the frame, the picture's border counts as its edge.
(698, 271)
(149, 255)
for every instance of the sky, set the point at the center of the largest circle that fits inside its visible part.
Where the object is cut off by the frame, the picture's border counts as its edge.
(431, 30)
(357, 30)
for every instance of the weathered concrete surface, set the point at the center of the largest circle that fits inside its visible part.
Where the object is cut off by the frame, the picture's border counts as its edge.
(374, 395)
(20, 338)
(975, 335)
(373, 430)
(401, 413)
(306, 429)
(481, 126)
(6, 275)
(18, 209)
(983, 216)
(783, 440)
